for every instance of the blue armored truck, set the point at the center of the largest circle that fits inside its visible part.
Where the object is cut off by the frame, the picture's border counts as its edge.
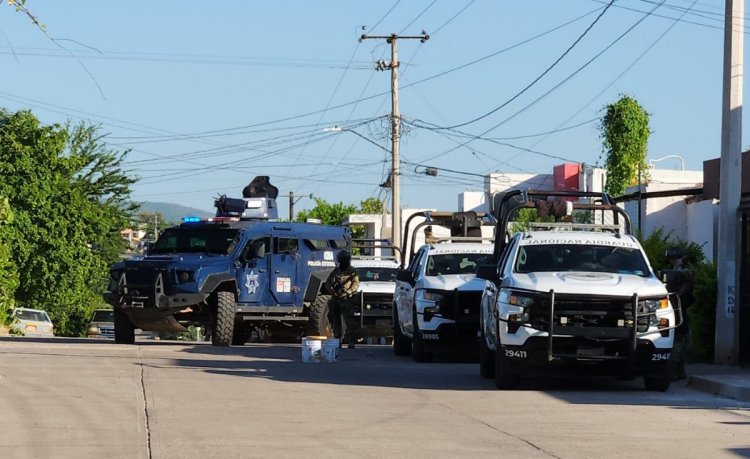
(234, 273)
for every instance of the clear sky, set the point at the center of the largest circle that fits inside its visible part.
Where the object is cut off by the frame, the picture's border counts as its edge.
(209, 94)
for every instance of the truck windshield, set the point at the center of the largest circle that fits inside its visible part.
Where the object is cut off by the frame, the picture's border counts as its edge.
(36, 316)
(579, 257)
(103, 316)
(196, 240)
(376, 274)
(455, 263)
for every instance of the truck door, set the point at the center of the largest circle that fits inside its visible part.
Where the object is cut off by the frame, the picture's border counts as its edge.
(406, 294)
(253, 275)
(285, 257)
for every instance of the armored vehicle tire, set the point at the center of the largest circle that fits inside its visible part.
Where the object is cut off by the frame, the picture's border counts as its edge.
(223, 320)
(318, 324)
(124, 328)
(418, 352)
(401, 344)
(504, 378)
(658, 383)
(486, 358)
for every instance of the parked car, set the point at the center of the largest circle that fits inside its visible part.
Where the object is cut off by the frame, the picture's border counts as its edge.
(102, 324)
(32, 322)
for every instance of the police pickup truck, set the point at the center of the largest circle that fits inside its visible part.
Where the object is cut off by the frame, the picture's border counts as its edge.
(436, 304)
(573, 298)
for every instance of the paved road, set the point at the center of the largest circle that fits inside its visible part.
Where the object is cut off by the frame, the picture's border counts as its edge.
(89, 398)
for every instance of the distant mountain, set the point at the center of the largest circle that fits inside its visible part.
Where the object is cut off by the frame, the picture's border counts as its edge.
(174, 212)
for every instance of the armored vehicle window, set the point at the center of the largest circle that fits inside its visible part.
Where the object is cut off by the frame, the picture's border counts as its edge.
(316, 244)
(579, 257)
(284, 244)
(455, 263)
(339, 243)
(195, 240)
(257, 248)
(377, 274)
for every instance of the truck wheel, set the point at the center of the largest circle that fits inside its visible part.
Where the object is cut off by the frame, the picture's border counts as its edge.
(659, 383)
(418, 352)
(223, 320)
(486, 358)
(401, 344)
(505, 378)
(124, 329)
(318, 324)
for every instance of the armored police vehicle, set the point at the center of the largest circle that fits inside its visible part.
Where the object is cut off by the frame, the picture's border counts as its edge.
(232, 273)
(571, 297)
(436, 304)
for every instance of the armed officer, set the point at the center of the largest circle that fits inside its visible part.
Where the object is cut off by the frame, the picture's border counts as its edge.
(343, 284)
(679, 280)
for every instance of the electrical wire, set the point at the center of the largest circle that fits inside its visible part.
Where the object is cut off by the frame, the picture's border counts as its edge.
(555, 87)
(541, 75)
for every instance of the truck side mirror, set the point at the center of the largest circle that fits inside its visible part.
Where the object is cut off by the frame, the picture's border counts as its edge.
(488, 272)
(404, 275)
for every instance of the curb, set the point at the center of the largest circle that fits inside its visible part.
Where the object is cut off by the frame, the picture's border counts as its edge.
(718, 385)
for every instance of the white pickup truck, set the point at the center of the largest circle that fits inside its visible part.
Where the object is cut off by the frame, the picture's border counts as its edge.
(437, 297)
(574, 298)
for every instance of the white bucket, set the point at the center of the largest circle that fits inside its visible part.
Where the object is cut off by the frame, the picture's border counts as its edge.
(312, 349)
(331, 349)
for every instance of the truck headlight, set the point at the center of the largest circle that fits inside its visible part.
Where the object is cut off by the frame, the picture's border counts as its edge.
(653, 305)
(185, 276)
(429, 302)
(92, 331)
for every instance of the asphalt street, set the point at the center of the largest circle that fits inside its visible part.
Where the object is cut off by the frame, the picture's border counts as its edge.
(72, 398)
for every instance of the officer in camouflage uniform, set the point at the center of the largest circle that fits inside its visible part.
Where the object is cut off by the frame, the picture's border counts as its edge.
(343, 284)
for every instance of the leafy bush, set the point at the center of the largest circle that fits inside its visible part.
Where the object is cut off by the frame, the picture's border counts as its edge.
(701, 313)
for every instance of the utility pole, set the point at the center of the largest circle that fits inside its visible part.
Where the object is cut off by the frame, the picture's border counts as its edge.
(291, 206)
(726, 348)
(395, 126)
(156, 227)
(292, 201)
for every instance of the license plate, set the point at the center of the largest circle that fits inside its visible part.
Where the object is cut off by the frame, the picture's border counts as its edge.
(590, 351)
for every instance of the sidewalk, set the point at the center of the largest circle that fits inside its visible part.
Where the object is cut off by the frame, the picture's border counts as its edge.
(724, 380)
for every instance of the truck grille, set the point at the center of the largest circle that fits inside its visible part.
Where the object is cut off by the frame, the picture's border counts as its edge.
(141, 286)
(463, 307)
(377, 304)
(585, 311)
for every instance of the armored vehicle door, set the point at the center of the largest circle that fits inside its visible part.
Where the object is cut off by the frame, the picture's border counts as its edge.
(284, 261)
(253, 274)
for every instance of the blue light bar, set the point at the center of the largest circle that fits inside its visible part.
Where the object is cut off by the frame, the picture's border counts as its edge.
(191, 219)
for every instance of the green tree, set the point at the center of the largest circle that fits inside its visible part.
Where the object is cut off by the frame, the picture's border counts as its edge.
(70, 200)
(624, 132)
(371, 206)
(8, 271)
(327, 213)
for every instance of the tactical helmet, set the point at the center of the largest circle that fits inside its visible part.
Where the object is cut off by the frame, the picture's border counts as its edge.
(674, 253)
(344, 255)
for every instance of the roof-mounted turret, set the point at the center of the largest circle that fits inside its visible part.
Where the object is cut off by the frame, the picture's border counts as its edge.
(258, 202)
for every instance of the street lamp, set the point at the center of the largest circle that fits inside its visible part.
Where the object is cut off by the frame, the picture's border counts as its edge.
(682, 161)
(395, 192)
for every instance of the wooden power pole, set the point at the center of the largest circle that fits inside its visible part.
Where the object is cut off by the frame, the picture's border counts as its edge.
(395, 126)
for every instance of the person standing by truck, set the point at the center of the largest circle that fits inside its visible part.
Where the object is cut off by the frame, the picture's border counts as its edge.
(343, 284)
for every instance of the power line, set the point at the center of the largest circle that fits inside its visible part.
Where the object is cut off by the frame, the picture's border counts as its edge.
(541, 75)
(554, 88)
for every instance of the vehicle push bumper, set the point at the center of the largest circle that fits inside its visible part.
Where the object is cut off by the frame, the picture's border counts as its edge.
(375, 314)
(147, 303)
(456, 325)
(624, 344)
